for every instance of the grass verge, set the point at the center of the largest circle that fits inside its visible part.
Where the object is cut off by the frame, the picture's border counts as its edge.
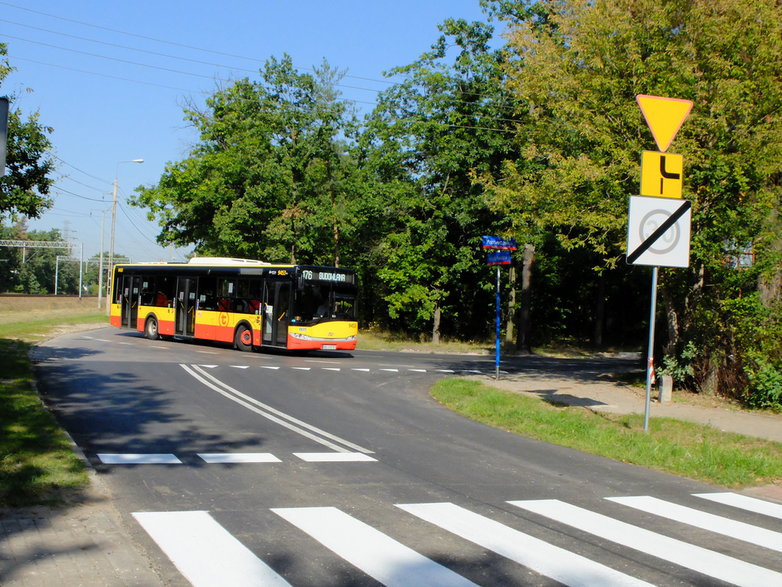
(37, 462)
(683, 448)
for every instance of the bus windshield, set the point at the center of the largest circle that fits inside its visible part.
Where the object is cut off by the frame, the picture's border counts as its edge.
(315, 303)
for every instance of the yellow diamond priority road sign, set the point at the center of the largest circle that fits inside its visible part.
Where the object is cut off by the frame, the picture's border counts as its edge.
(664, 117)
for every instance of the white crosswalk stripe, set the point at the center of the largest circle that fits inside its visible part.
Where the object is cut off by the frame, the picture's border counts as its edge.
(207, 554)
(559, 564)
(379, 556)
(745, 502)
(738, 530)
(204, 552)
(687, 555)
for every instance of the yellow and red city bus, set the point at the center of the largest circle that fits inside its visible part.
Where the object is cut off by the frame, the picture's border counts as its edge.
(240, 301)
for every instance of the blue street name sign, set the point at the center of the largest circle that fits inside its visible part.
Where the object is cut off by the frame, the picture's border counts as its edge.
(495, 242)
(498, 258)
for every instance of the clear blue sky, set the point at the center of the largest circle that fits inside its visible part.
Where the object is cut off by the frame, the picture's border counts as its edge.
(111, 78)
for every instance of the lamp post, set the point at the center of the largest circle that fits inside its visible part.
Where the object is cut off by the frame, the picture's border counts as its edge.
(114, 220)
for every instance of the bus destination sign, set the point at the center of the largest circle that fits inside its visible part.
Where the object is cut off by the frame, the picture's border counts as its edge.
(327, 275)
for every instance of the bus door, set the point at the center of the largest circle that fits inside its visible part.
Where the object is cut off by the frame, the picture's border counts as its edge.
(131, 291)
(267, 313)
(281, 312)
(185, 305)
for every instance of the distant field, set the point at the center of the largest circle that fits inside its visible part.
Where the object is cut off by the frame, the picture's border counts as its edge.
(13, 307)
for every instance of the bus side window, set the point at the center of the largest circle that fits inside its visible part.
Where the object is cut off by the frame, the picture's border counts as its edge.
(207, 287)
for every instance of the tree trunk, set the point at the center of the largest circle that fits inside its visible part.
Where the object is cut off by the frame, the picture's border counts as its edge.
(672, 321)
(436, 325)
(526, 298)
(600, 311)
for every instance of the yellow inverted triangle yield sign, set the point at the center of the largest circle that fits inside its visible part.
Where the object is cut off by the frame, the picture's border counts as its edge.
(664, 117)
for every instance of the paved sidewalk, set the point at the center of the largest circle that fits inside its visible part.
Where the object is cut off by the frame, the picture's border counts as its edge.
(603, 396)
(88, 544)
(84, 544)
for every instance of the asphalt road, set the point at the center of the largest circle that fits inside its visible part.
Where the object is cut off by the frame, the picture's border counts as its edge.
(339, 469)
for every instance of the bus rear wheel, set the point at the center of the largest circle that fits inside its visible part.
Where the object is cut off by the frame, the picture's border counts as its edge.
(243, 339)
(151, 329)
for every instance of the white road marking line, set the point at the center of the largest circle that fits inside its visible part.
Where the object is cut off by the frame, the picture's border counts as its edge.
(331, 369)
(706, 521)
(302, 368)
(334, 457)
(138, 459)
(270, 413)
(239, 457)
(383, 558)
(540, 556)
(417, 370)
(269, 367)
(126, 343)
(744, 502)
(205, 552)
(687, 555)
(240, 366)
(446, 371)
(362, 370)
(208, 366)
(391, 370)
(207, 352)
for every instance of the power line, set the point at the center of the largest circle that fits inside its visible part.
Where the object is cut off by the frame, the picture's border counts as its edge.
(61, 160)
(108, 44)
(106, 75)
(163, 41)
(117, 59)
(70, 193)
(170, 70)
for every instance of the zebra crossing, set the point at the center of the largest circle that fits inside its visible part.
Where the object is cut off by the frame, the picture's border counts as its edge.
(206, 553)
(235, 458)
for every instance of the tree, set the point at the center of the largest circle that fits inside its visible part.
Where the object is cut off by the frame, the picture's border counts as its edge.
(577, 66)
(271, 176)
(425, 141)
(24, 188)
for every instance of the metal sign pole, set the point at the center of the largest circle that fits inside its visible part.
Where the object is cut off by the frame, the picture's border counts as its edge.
(497, 329)
(650, 352)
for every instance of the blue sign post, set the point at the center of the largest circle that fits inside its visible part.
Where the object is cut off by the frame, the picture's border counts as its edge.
(498, 254)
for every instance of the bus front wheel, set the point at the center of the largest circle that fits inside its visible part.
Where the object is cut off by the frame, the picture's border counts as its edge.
(151, 330)
(244, 338)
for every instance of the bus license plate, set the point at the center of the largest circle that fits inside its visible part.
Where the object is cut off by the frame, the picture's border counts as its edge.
(329, 347)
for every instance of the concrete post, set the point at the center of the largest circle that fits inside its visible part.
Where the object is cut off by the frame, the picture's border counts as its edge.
(666, 388)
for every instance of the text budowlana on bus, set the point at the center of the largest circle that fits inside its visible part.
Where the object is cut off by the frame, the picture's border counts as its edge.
(244, 302)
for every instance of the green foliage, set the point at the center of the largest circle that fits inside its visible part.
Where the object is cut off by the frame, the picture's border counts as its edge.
(696, 451)
(539, 139)
(577, 67)
(427, 137)
(25, 186)
(271, 176)
(38, 269)
(680, 367)
(36, 458)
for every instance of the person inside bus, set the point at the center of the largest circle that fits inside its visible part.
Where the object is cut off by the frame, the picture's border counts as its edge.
(322, 305)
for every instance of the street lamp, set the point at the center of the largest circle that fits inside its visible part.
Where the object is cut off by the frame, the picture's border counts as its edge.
(114, 219)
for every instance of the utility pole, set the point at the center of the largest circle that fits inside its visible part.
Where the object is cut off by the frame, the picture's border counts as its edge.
(100, 266)
(3, 133)
(114, 216)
